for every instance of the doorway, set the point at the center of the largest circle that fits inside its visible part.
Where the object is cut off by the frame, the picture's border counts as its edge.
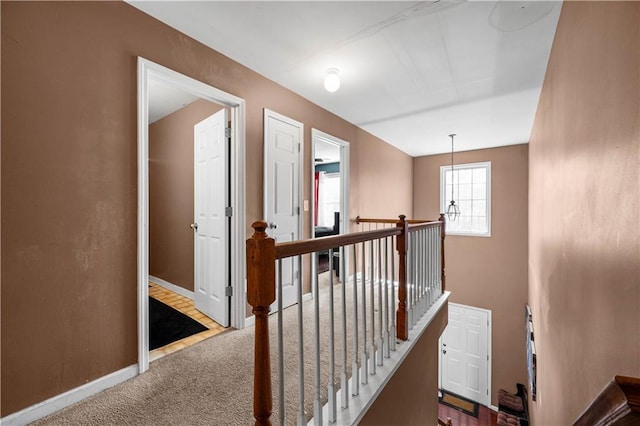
(330, 193)
(149, 74)
(465, 353)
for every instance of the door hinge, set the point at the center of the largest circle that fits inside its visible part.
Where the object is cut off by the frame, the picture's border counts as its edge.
(299, 147)
(298, 210)
(227, 132)
(228, 211)
(228, 291)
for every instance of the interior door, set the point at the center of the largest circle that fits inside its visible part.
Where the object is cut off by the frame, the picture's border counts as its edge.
(464, 353)
(211, 248)
(283, 149)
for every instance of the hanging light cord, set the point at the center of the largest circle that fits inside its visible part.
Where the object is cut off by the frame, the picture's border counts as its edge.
(452, 135)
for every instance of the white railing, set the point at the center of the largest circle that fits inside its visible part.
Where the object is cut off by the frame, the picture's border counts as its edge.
(348, 330)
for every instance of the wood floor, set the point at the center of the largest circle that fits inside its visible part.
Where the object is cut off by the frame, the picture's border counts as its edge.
(187, 307)
(486, 417)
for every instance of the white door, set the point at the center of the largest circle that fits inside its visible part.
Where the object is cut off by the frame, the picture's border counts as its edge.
(464, 353)
(211, 248)
(282, 160)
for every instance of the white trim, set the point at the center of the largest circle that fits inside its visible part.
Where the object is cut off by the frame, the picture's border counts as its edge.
(250, 321)
(147, 70)
(443, 208)
(143, 214)
(345, 172)
(359, 405)
(63, 400)
(172, 287)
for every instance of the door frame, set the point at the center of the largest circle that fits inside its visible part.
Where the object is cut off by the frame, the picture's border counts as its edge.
(489, 351)
(149, 70)
(345, 149)
(316, 136)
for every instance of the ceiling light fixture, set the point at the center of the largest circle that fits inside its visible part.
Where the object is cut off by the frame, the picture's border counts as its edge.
(332, 81)
(453, 211)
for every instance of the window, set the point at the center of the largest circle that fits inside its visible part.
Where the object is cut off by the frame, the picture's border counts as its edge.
(472, 193)
(328, 198)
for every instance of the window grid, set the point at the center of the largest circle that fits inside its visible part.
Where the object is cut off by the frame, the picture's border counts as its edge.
(471, 191)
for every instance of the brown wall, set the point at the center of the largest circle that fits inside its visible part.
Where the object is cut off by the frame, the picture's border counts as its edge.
(384, 173)
(488, 272)
(411, 396)
(171, 193)
(69, 181)
(584, 189)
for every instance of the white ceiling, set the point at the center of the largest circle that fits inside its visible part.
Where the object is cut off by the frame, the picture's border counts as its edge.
(165, 99)
(412, 72)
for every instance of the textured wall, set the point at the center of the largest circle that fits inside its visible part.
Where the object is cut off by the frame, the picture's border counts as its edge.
(411, 395)
(171, 193)
(488, 272)
(584, 209)
(69, 181)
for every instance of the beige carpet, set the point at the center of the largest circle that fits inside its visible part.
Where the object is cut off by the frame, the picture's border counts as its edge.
(212, 382)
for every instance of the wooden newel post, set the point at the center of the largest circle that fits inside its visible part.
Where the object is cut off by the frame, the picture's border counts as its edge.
(402, 323)
(442, 235)
(261, 293)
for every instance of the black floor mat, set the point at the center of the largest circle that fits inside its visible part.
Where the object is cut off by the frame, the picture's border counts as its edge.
(167, 325)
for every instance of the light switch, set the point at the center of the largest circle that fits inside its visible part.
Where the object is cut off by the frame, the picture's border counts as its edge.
(305, 205)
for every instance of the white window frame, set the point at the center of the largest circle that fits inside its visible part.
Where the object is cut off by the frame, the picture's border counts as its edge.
(443, 197)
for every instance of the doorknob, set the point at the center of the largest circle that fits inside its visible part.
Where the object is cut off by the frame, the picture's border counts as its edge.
(194, 226)
(272, 225)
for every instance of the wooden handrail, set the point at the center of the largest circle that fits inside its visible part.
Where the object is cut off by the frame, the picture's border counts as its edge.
(360, 220)
(619, 400)
(262, 252)
(413, 227)
(295, 248)
(443, 423)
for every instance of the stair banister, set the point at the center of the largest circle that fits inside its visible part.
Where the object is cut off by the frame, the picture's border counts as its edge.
(261, 293)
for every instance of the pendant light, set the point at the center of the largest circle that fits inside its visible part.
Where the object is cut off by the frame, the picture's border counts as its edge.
(453, 211)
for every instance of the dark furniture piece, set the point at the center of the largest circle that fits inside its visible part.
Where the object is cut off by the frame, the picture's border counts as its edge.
(512, 408)
(325, 231)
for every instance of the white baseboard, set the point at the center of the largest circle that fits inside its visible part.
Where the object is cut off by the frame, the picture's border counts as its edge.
(175, 288)
(58, 402)
(251, 320)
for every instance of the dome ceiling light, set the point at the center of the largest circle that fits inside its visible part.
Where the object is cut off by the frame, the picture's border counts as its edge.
(332, 80)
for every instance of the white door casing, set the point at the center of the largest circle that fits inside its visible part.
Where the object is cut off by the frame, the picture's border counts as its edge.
(283, 138)
(318, 136)
(148, 70)
(464, 353)
(211, 247)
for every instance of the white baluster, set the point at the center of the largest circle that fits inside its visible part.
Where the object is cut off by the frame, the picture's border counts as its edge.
(301, 414)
